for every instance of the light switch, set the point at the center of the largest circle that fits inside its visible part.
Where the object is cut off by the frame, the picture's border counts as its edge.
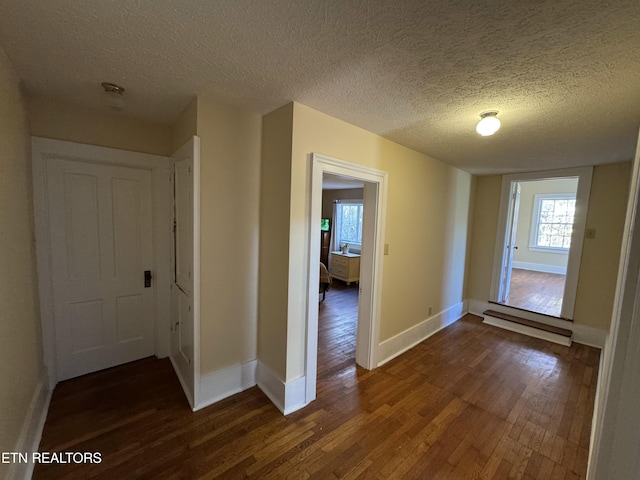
(386, 249)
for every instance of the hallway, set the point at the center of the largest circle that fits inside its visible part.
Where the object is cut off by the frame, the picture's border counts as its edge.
(472, 401)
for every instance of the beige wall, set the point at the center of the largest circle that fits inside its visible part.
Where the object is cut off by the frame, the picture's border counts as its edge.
(470, 227)
(20, 340)
(229, 241)
(185, 126)
(525, 217)
(51, 119)
(426, 226)
(275, 186)
(329, 196)
(483, 236)
(600, 256)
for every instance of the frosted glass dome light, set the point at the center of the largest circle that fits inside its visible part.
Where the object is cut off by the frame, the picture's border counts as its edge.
(488, 124)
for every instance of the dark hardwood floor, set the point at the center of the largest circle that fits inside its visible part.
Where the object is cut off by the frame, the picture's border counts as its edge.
(471, 402)
(337, 323)
(536, 291)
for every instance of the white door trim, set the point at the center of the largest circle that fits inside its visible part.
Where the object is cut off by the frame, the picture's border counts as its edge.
(614, 435)
(371, 262)
(191, 383)
(44, 149)
(584, 175)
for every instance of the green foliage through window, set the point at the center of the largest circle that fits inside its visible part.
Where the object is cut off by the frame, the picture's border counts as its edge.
(554, 221)
(351, 224)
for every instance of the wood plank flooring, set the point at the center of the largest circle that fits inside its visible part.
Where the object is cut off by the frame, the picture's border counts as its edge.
(536, 291)
(471, 402)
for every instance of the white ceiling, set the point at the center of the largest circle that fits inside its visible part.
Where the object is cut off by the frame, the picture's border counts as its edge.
(564, 74)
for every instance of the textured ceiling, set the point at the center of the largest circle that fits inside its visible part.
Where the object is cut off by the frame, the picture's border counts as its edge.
(564, 74)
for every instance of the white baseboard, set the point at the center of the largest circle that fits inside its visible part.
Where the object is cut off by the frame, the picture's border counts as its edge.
(286, 396)
(183, 382)
(31, 432)
(591, 336)
(294, 395)
(271, 385)
(219, 385)
(397, 345)
(540, 267)
(583, 334)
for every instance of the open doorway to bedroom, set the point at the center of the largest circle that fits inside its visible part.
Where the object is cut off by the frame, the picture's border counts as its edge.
(340, 250)
(370, 263)
(540, 235)
(542, 224)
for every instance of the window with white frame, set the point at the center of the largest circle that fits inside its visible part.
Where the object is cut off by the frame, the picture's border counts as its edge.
(552, 222)
(350, 222)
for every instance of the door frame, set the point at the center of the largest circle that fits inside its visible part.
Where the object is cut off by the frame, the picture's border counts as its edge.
(371, 262)
(510, 237)
(188, 375)
(614, 435)
(44, 149)
(584, 175)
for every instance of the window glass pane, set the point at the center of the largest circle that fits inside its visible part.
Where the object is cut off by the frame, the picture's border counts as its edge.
(555, 222)
(556, 241)
(351, 226)
(546, 205)
(543, 240)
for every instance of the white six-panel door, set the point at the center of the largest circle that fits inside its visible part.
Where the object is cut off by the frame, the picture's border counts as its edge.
(101, 240)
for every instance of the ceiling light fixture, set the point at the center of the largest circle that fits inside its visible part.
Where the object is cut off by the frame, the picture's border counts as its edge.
(113, 96)
(488, 124)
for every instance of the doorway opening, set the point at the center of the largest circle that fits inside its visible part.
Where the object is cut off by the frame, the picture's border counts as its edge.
(540, 239)
(540, 234)
(340, 253)
(370, 258)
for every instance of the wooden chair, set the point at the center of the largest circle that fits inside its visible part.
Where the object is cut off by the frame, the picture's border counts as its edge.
(325, 280)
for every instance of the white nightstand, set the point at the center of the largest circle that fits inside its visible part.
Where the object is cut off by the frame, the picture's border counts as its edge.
(345, 266)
